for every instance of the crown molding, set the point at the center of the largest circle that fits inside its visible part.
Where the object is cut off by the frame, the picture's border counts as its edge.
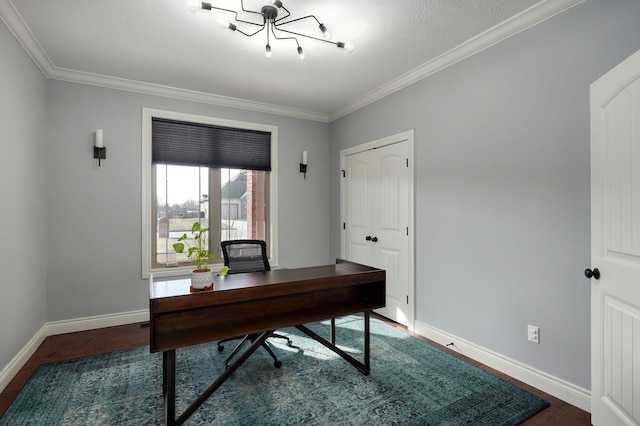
(16, 25)
(524, 20)
(518, 23)
(74, 76)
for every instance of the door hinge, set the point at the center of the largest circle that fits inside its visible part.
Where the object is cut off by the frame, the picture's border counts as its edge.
(344, 173)
(344, 225)
(407, 231)
(407, 162)
(407, 299)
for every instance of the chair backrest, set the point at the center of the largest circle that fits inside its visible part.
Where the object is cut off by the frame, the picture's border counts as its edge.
(245, 256)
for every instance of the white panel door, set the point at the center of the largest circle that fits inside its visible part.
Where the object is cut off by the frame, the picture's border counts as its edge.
(358, 204)
(615, 246)
(377, 194)
(391, 230)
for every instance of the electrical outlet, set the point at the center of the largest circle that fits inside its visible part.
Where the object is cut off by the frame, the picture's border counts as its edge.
(533, 333)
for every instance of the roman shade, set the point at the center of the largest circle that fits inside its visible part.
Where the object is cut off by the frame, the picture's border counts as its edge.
(195, 144)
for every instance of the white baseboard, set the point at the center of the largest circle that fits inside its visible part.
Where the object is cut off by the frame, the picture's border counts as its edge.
(100, 321)
(67, 326)
(21, 358)
(552, 385)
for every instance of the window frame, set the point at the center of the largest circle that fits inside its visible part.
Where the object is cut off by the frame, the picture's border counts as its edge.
(147, 181)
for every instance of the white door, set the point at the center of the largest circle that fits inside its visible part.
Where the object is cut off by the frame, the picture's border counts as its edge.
(615, 246)
(377, 194)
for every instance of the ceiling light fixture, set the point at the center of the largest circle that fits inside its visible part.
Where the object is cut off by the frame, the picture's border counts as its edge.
(273, 25)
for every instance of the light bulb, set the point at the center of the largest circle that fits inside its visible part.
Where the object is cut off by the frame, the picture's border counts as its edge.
(346, 46)
(226, 24)
(267, 51)
(278, 3)
(326, 33)
(194, 5)
(300, 53)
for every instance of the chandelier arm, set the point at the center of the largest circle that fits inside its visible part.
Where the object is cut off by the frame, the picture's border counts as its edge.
(248, 11)
(306, 36)
(285, 16)
(284, 38)
(235, 13)
(249, 35)
(298, 19)
(249, 22)
(246, 22)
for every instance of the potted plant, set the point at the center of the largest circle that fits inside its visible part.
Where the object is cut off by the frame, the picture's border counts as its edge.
(202, 276)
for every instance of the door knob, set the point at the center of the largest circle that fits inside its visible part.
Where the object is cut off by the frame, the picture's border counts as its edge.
(368, 238)
(595, 273)
(374, 239)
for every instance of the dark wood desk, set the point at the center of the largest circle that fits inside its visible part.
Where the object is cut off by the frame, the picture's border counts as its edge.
(260, 303)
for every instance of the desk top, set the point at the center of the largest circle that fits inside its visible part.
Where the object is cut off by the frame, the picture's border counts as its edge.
(259, 301)
(181, 287)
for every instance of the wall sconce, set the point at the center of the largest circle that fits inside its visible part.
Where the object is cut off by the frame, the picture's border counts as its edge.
(99, 150)
(303, 165)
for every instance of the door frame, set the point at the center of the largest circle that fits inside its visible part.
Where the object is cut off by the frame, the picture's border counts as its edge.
(407, 136)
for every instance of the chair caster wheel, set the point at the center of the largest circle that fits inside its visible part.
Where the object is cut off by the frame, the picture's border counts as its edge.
(289, 343)
(220, 348)
(277, 364)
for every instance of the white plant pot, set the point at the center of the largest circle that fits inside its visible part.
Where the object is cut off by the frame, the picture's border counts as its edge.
(201, 279)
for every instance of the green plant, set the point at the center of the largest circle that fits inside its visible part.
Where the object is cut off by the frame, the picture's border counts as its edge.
(199, 252)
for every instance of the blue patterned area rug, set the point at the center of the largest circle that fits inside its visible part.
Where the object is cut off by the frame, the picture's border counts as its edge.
(411, 383)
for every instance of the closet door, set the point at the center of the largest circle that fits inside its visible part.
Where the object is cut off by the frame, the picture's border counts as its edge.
(377, 219)
(359, 208)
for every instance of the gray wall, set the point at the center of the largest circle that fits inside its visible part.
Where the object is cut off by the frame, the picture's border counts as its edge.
(22, 198)
(94, 228)
(502, 184)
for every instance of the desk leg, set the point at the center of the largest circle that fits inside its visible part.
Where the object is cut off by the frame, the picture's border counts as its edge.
(221, 379)
(169, 386)
(333, 331)
(367, 341)
(364, 367)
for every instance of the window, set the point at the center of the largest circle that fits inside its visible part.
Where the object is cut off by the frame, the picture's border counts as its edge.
(208, 170)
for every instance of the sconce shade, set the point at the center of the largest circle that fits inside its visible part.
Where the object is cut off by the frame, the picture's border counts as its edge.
(99, 151)
(303, 165)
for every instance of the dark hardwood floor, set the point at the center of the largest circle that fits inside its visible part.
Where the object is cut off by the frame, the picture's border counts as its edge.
(559, 413)
(81, 344)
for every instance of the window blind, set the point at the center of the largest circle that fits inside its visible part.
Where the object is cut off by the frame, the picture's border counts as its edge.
(185, 143)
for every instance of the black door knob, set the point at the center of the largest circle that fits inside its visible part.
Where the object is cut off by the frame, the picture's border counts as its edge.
(374, 239)
(595, 273)
(368, 238)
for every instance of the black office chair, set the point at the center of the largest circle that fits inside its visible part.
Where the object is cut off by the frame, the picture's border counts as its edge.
(243, 256)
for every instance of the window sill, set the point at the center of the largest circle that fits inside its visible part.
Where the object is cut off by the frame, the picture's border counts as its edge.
(179, 271)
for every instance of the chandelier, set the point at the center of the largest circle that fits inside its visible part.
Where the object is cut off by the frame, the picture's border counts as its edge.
(272, 24)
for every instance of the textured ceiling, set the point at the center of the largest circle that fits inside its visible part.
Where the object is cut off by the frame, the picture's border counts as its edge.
(163, 43)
